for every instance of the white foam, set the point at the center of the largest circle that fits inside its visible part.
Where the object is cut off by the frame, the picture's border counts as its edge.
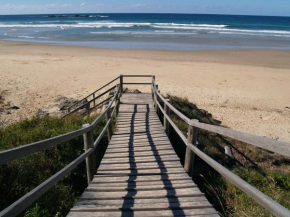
(169, 27)
(24, 36)
(101, 16)
(143, 33)
(190, 25)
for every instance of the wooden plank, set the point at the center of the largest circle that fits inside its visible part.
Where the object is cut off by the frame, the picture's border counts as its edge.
(139, 149)
(142, 159)
(155, 120)
(138, 131)
(139, 154)
(140, 188)
(142, 184)
(142, 207)
(136, 144)
(114, 168)
(139, 178)
(124, 137)
(120, 201)
(137, 120)
(144, 171)
(140, 174)
(209, 212)
(142, 194)
(139, 140)
(117, 166)
(127, 125)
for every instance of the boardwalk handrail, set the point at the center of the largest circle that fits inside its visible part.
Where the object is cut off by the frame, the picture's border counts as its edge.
(92, 94)
(265, 201)
(91, 144)
(19, 152)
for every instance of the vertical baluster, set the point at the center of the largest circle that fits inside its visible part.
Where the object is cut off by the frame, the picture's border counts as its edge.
(189, 155)
(90, 160)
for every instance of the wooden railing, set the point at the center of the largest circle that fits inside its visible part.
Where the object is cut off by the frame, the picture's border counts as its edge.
(282, 148)
(91, 144)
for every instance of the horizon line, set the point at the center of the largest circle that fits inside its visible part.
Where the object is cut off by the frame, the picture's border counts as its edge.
(148, 13)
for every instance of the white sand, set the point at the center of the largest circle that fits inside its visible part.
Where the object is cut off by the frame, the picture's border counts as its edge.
(246, 90)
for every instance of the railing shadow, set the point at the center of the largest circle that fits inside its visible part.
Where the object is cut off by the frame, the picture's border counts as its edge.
(129, 200)
(172, 199)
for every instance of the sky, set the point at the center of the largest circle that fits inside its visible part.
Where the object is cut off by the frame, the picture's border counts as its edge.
(240, 7)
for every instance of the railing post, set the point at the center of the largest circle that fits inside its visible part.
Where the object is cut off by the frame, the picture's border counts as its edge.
(90, 160)
(121, 84)
(189, 155)
(110, 131)
(166, 123)
(118, 105)
(94, 96)
(152, 87)
(155, 100)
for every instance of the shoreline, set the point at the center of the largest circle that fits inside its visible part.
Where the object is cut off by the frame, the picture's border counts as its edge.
(245, 89)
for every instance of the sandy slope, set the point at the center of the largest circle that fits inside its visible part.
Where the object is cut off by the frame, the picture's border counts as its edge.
(247, 90)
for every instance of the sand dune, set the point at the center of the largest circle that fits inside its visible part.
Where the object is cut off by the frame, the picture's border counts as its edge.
(247, 90)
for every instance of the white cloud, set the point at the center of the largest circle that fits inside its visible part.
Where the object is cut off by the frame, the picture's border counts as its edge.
(83, 4)
(137, 5)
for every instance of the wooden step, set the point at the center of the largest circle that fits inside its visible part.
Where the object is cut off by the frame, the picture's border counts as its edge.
(139, 144)
(144, 171)
(140, 188)
(116, 166)
(140, 154)
(140, 178)
(172, 157)
(143, 207)
(139, 149)
(142, 184)
(208, 212)
(187, 192)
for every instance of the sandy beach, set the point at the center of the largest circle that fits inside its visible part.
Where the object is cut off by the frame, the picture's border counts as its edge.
(248, 90)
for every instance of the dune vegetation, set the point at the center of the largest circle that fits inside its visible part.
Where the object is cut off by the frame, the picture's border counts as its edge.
(266, 171)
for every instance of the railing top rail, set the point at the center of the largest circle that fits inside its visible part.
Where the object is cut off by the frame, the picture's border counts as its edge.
(93, 92)
(22, 151)
(137, 76)
(279, 147)
(265, 201)
(87, 103)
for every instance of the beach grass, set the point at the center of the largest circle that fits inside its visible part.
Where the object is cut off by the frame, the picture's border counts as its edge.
(266, 171)
(20, 176)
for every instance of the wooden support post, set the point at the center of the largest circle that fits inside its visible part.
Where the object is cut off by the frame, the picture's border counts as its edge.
(94, 96)
(121, 84)
(155, 100)
(90, 160)
(152, 87)
(118, 105)
(166, 123)
(109, 130)
(189, 155)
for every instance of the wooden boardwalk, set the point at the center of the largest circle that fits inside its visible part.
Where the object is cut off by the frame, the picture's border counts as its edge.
(140, 174)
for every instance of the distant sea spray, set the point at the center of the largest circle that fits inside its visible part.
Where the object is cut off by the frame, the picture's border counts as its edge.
(150, 31)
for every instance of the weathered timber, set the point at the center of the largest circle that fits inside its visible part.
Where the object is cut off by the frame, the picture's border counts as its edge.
(141, 165)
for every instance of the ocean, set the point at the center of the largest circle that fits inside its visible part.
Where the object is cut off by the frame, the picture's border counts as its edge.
(150, 31)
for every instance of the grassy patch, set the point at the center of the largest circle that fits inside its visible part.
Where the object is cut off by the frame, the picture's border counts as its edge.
(267, 171)
(19, 177)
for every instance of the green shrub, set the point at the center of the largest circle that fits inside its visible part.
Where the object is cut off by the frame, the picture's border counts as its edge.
(20, 176)
(254, 165)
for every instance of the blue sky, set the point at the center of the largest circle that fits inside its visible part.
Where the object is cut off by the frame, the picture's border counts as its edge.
(244, 7)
